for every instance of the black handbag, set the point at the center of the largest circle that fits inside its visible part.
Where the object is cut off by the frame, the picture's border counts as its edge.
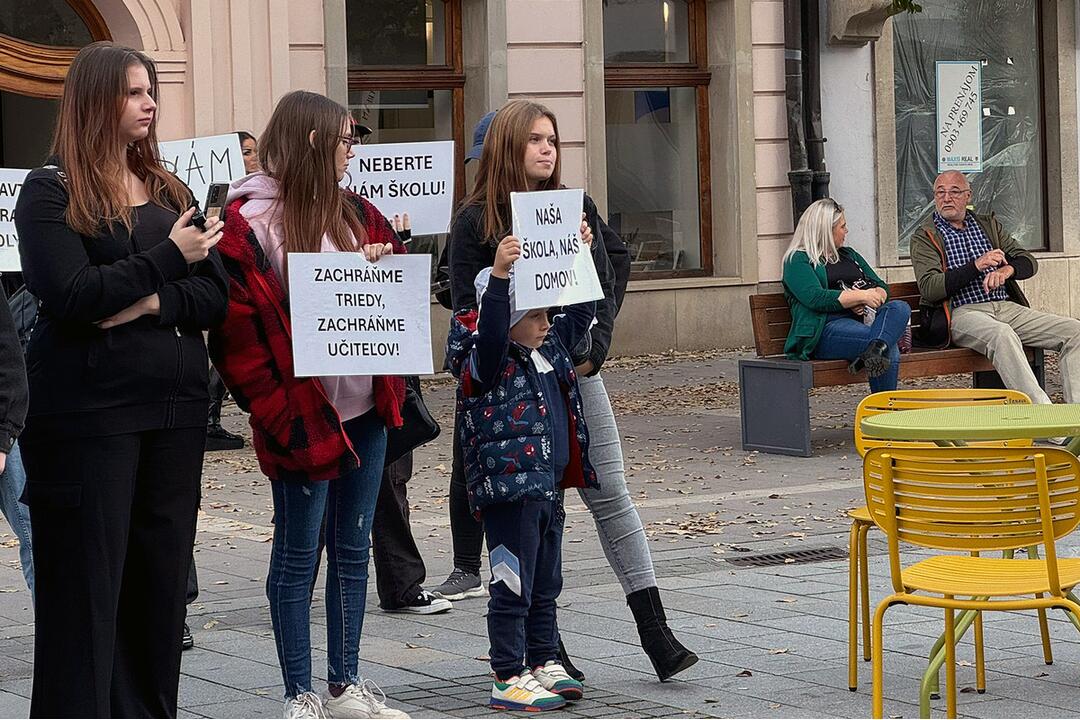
(417, 427)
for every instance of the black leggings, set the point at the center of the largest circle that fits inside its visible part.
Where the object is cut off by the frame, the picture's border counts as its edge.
(466, 530)
(114, 524)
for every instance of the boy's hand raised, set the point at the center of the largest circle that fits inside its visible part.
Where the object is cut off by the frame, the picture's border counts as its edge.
(586, 231)
(508, 251)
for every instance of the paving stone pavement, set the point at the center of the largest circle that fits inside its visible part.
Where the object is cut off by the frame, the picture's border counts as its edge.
(772, 640)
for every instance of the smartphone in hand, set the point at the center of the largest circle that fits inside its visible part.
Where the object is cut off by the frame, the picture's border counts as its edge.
(215, 205)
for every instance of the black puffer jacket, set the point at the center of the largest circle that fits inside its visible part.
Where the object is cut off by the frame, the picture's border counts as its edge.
(470, 253)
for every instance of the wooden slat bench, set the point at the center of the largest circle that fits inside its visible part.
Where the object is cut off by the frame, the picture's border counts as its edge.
(774, 391)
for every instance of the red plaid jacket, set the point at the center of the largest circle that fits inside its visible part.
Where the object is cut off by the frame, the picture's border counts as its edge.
(296, 431)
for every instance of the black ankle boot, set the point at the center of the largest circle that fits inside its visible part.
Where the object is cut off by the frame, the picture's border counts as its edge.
(667, 654)
(568, 666)
(875, 359)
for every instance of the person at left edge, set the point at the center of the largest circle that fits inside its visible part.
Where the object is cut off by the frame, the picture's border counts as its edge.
(117, 371)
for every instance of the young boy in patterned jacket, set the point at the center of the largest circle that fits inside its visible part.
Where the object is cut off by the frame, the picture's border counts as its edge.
(523, 436)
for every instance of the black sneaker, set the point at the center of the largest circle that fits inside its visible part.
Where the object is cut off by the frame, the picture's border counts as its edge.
(459, 586)
(423, 604)
(218, 438)
(186, 640)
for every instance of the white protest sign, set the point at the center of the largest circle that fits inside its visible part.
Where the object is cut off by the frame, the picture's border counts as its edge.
(352, 317)
(204, 160)
(10, 184)
(959, 116)
(555, 267)
(413, 178)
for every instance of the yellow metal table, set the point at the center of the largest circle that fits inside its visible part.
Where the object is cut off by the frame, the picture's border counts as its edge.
(959, 423)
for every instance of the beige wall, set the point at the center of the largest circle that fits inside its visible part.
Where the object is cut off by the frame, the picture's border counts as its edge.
(770, 130)
(545, 61)
(223, 63)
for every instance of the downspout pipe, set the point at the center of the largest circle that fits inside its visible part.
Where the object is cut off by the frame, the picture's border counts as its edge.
(801, 176)
(815, 140)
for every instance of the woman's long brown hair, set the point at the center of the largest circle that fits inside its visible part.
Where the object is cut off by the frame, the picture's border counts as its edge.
(312, 203)
(88, 145)
(502, 164)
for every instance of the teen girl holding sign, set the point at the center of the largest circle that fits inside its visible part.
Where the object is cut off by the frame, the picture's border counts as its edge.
(521, 153)
(321, 441)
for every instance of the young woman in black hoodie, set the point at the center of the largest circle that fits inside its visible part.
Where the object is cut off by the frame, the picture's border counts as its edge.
(118, 395)
(521, 153)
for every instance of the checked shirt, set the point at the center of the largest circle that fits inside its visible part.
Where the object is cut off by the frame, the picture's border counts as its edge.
(962, 247)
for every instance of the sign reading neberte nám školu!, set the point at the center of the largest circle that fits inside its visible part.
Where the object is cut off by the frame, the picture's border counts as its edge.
(413, 178)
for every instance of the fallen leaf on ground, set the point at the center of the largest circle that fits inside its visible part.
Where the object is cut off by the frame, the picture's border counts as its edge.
(210, 625)
(411, 646)
(744, 673)
(779, 651)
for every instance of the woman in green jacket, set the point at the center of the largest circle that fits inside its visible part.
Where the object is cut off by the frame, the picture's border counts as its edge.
(830, 289)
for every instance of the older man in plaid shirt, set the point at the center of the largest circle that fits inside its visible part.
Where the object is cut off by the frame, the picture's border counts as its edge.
(967, 269)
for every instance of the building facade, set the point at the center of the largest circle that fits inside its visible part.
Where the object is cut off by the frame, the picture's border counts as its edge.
(672, 115)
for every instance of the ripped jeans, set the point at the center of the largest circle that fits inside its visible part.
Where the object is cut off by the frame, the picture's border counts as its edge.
(348, 504)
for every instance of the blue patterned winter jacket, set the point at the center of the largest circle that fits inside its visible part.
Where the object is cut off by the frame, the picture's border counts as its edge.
(506, 433)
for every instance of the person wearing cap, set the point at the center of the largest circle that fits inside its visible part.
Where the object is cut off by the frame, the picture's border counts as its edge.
(522, 430)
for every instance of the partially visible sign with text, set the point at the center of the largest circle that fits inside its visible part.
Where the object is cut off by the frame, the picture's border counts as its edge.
(204, 160)
(959, 116)
(11, 181)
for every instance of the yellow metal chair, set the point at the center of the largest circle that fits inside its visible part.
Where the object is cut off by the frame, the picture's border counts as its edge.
(875, 404)
(971, 500)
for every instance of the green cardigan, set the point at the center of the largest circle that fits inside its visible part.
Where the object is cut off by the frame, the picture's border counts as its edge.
(806, 289)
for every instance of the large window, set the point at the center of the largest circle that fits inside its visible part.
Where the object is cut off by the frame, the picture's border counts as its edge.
(1005, 37)
(406, 78)
(656, 81)
(38, 40)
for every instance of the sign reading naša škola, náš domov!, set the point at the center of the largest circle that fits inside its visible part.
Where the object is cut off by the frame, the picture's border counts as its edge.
(399, 178)
(196, 161)
(353, 317)
(10, 183)
(959, 116)
(555, 267)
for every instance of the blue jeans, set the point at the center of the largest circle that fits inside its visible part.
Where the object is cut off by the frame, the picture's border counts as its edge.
(348, 503)
(12, 481)
(847, 338)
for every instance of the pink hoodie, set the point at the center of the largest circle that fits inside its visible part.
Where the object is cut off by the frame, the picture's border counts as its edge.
(351, 395)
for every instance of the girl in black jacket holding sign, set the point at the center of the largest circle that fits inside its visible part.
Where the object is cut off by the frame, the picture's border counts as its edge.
(521, 153)
(118, 395)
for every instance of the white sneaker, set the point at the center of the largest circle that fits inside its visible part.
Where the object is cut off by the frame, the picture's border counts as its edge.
(361, 701)
(554, 678)
(523, 692)
(304, 705)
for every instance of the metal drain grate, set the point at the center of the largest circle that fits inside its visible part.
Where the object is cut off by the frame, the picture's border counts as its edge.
(790, 557)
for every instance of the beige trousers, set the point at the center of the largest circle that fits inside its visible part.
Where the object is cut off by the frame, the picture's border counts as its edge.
(999, 330)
